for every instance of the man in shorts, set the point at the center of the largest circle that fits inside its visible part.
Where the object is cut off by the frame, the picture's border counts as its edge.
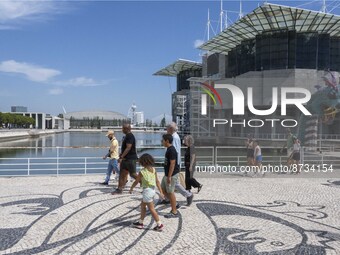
(171, 174)
(127, 159)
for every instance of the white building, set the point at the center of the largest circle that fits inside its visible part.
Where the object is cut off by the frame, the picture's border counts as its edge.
(139, 118)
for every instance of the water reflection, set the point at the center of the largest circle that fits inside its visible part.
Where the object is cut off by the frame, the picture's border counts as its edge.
(46, 146)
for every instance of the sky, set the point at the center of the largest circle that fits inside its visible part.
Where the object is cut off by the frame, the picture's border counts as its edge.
(100, 55)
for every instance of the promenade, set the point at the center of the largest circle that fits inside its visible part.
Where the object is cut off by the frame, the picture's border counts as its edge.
(76, 215)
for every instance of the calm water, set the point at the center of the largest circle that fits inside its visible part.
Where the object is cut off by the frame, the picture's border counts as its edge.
(45, 146)
(43, 152)
(41, 155)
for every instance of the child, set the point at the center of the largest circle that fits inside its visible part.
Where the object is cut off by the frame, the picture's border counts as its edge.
(148, 177)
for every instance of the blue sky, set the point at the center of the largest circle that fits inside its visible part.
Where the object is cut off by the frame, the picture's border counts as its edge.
(87, 55)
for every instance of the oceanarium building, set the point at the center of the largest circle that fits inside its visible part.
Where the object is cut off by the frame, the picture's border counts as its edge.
(273, 46)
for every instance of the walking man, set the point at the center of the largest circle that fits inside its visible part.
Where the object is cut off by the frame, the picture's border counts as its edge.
(172, 130)
(113, 156)
(127, 159)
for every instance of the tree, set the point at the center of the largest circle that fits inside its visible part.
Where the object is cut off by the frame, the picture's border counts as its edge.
(163, 122)
(148, 123)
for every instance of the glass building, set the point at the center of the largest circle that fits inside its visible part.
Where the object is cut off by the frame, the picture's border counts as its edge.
(272, 46)
(183, 70)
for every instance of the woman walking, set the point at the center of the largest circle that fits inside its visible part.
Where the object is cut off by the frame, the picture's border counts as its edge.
(190, 164)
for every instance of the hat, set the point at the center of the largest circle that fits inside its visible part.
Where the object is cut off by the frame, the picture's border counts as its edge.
(110, 132)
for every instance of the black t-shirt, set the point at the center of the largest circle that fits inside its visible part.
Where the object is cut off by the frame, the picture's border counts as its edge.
(170, 154)
(188, 154)
(129, 139)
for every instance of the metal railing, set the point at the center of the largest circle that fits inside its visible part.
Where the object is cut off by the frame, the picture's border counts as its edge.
(283, 136)
(209, 155)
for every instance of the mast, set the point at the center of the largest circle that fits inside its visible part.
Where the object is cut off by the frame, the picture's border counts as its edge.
(323, 8)
(208, 25)
(240, 15)
(221, 17)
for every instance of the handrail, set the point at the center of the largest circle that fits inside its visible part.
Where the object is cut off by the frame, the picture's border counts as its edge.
(206, 155)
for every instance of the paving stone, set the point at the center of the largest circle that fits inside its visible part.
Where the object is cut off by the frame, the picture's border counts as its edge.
(76, 215)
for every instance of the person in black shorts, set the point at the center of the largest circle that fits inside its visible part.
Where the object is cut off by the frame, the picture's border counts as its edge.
(127, 158)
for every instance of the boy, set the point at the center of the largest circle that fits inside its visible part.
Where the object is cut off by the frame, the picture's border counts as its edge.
(171, 173)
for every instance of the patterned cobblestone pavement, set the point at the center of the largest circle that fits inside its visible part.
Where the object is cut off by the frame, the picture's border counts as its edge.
(76, 215)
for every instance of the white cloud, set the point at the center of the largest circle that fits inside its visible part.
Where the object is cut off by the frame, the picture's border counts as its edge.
(31, 71)
(56, 91)
(80, 82)
(198, 43)
(18, 12)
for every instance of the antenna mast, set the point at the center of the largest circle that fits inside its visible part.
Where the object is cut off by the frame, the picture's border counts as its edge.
(240, 15)
(221, 17)
(208, 25)
(323, 8)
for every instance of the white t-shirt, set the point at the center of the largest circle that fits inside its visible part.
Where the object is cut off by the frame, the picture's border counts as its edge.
(177, 144)
(257, 151)
(296, 147)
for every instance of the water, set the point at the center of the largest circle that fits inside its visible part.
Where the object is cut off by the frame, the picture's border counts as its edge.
(39, 155)
(82, 152)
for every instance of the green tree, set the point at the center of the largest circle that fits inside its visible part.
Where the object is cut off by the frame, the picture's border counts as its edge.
(163, 122)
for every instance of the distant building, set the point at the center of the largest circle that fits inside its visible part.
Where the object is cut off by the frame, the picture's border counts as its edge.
(54, 122)
(136, 118)
(183, 70)
(18, 109)
(39, 117)
(139, 118)
(93, 119)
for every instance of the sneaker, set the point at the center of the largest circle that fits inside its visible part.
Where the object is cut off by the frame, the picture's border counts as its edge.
(104, 183)
(178, 206)
(159, 227)
(116, 192)
(199, 188)
(163, 202)
(171, 215)
(138, 225)
(189, 200)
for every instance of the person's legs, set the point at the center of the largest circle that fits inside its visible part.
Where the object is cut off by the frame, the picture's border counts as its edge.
(194, 183)
(131, 167)
(182, 190)
(108, 171)
(153, 211)
(187, 179)
(116, 169)
(142, 211)
(122, 178)
(170, 189)
(173, 203)
(185, 193)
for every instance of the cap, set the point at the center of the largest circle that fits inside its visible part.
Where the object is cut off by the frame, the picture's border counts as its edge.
(110, 132)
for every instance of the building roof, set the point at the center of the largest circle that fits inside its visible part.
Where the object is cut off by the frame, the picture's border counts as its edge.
(178, 66)
(106, 115)
(270, 17)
